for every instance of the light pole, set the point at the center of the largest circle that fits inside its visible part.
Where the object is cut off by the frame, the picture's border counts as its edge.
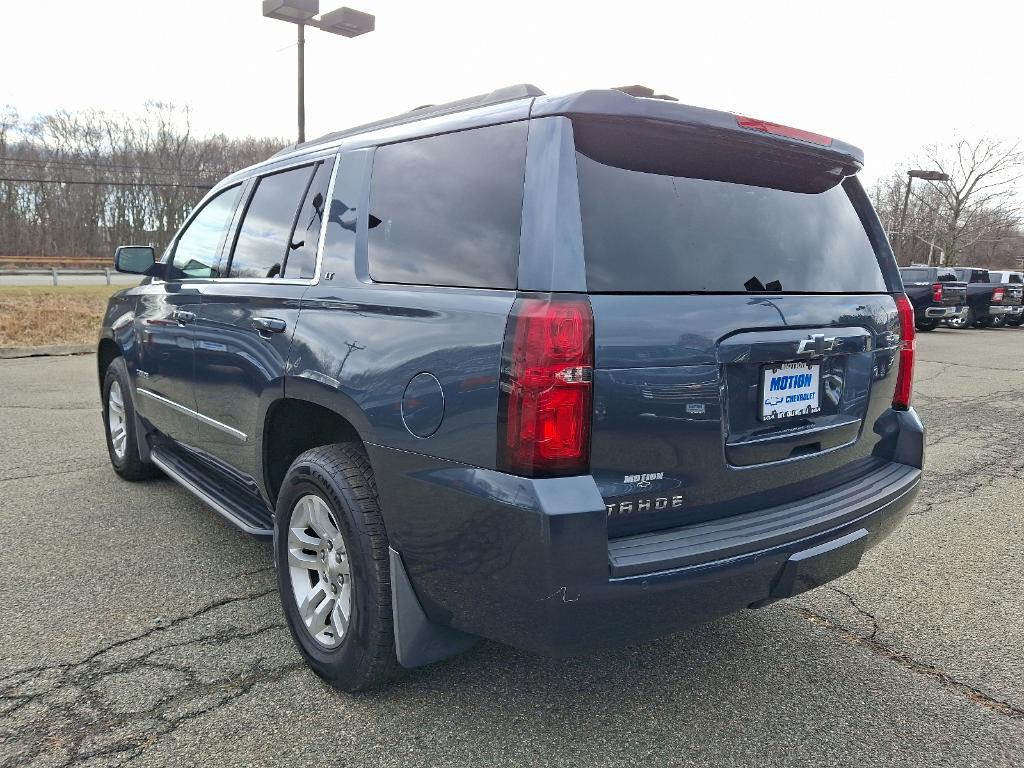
(343, 21)
(911, 175)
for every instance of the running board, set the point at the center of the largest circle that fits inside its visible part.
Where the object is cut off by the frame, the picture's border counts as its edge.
(244, 516)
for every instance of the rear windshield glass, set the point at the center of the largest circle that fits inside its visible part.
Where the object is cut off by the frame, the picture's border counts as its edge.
(648, 232)
(916, 275)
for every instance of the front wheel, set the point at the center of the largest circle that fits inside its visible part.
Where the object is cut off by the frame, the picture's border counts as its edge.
(333, 570)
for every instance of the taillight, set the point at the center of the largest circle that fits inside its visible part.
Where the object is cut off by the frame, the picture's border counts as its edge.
(997, 295)
(546, 387)
(937, 292)
(908, 344)
(754, 124)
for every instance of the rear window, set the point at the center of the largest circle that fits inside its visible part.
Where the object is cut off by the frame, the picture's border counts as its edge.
(446, 210)
(647, 231)
(916, 275)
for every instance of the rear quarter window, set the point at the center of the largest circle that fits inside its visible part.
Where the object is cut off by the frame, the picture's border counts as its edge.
(446, 210)
(650, 232)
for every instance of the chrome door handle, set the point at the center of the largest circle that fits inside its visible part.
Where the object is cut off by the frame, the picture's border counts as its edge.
(268, 325)
(183, 316)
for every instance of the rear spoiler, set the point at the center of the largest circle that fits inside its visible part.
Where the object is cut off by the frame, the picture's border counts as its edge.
(616, 104)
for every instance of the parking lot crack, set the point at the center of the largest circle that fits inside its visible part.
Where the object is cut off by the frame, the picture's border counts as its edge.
(905, 660)
(853, 603)
(70, 704)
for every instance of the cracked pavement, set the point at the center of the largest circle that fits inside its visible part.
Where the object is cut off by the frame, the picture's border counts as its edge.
(138, 628)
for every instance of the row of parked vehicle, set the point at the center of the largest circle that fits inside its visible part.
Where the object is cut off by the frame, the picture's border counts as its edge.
(964, 297)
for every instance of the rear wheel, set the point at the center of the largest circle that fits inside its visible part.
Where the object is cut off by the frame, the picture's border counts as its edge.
(331, 552)
(1015, 321)
(998, 322)
(927, 325)
(119, 425)
(966, 320)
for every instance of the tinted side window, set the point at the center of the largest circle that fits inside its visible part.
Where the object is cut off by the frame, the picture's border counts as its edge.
(198, 248)
(342, 218)
(301, 260)
(449, 208)
(264, 238)
(1015, 278)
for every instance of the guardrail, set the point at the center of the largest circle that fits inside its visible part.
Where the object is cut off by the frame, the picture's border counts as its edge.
(56, 272)
(71, 262)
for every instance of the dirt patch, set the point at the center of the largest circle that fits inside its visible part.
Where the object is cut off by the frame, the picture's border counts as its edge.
(34, 315)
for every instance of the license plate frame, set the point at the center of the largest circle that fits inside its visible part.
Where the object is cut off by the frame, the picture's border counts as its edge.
(807, 406)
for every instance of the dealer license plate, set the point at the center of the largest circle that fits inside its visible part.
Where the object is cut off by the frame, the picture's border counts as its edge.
(790, 389)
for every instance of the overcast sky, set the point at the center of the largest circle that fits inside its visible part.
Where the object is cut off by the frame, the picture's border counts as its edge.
(887, 76)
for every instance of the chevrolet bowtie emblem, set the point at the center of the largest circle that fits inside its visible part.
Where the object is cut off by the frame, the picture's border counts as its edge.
(816, 344)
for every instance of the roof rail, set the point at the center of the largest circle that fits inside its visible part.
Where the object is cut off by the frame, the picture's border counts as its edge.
(498, 96)
(643, 92)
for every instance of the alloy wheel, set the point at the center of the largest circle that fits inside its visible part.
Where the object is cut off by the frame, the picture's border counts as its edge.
(320, 571)
(116, 424)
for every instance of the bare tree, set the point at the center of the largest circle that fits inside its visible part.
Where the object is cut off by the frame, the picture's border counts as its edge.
(974, 217)
(979, 200)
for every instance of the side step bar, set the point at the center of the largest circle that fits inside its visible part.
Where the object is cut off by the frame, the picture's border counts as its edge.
(245, 516)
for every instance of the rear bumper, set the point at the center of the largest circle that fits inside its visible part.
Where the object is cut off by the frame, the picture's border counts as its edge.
(944, 313)
(996, 310)
(528, 562)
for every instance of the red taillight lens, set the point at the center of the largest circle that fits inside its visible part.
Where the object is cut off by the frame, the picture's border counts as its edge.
(937, 292)
(997, 295)
(546, 386)
(753, 124)
(908, 346)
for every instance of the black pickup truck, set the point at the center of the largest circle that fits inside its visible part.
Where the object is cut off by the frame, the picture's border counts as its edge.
(936, 293)
(990, 303)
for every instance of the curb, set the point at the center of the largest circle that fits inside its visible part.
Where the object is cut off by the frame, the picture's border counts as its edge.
(9, 353)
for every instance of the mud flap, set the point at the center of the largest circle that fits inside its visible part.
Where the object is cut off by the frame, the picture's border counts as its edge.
(418, 640)
(821, 564)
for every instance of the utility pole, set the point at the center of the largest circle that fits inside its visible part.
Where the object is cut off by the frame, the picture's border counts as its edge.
(342, 21)
(911, 175)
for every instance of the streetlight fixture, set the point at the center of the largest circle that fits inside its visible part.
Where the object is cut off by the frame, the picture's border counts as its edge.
(911, 175)
(342, 21)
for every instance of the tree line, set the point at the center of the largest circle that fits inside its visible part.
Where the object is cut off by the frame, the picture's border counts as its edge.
(78, 184)
(973, 217)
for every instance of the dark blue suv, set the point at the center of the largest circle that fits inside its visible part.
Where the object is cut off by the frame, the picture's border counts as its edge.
(557, 371)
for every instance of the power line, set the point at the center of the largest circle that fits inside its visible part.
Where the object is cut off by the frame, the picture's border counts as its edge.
(86, 164)
(107, 183)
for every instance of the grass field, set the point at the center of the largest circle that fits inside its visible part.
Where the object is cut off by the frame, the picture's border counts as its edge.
(41, 315)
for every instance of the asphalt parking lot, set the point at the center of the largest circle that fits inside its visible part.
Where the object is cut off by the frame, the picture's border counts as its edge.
(139, 628)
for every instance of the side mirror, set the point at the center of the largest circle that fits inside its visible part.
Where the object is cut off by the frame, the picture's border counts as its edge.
(134, 259)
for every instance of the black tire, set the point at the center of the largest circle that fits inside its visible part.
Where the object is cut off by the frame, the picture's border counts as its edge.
(341, 475)
(997, 322)
(927, 325)
(964, 321)
(1015, 321)
(984, 322)
(129, 465)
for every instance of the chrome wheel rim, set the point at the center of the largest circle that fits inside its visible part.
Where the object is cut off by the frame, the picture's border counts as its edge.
(116, 421)
(320, 571)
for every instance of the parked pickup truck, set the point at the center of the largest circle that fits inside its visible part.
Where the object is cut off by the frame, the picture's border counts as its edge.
(1010, 278)
(990, 303)
(936, 293)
